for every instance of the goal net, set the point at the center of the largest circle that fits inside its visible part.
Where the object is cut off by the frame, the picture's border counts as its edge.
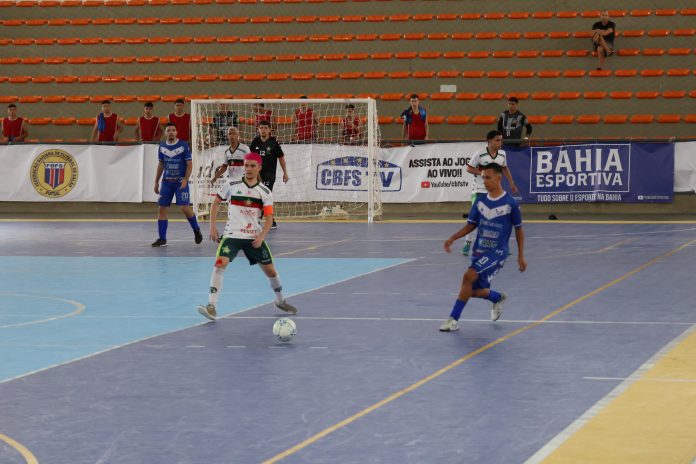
(331, 149)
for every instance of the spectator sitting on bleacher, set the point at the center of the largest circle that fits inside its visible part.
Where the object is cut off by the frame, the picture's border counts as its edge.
(350, 126)
(306, 123)
(603, 33)
(415, 121)
(148, 128)
(14, 128)
(108, 126)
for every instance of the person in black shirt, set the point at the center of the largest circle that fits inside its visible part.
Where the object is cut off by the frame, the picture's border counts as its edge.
(603, 33)
(271, 153)
(223, 120)
(511, 123)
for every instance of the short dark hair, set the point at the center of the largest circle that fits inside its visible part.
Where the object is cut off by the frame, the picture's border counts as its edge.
(494, 166)
(149, 105)
(264, 122)
(179, 100)
(350, 106)
(12, 105)
(513, 99)
(106, 102)
(414, 95)
(493, 134)
(169, 124)
(303, 97)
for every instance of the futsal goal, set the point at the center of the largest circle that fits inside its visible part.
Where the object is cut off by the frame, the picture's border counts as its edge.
(331, 149)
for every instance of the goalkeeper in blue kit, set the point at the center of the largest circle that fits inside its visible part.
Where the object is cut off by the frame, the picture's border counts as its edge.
(495, 215)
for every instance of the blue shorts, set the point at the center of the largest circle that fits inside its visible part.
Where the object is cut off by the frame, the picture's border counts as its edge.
(486, 266)
(167, 191)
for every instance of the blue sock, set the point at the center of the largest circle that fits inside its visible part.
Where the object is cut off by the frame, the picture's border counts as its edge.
(162, 228)
(457, 309)
(494, 296)
(193, 222)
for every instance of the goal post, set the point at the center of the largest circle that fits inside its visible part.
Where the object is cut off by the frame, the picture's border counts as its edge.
(331, 149)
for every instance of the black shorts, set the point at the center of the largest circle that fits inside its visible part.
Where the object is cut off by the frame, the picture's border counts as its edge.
(268, 183)
(229, 247)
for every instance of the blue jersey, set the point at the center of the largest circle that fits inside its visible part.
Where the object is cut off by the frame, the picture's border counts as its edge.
(495, 219)
(174, 158)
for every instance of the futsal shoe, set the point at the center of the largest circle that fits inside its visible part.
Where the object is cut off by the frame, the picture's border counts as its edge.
(287, 307)
(450, 325)
(274, 226)
(198, 236)
(497, 309)
(160, 242)
(467, 248)
(208, 311)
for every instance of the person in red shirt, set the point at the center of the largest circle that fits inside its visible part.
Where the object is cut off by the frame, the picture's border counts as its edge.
(108, 126)
(415, 121)
(148, 128)
(262, 114)
(350, 126)
(14, 128)
(306, 124)
(181, 120)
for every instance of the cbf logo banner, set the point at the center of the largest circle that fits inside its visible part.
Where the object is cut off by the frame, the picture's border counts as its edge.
(598, 172)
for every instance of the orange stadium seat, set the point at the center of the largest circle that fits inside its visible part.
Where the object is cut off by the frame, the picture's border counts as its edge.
(567, 14)
(391, 96)
(666, 12)
(559, 35)
(124, 98)
(278, 57)
(301, 76)
(615, 118)
(399, 17)
(528, 53)
(633, 33)
(441, 95)
(534, 35)
(562, 119)
(652, 72)
(473, 74)
(620, 95)
(494, 15)
(641, 13)
(676, 72)
(53, 98)
(647, 95)
(454, 55)
(366, 37)
(628, 52)
(626, 72)
(568, 95)
(510, 35)
(659, 32)
(448, 74)
(503, 54)
(594, 95)
(32, 60)
(574, 73)
(498, 74)
(523, 74)
(668, 118)
(543, 15)
(582, 34)
(462, 35)
(485, 35)
(470, 16)
(600, 73)
(399, 74)
(310, 57)
(588, 119)
(206, 77)
(435, 119)
(350, 75)
(492, 95)
(653, 51)
(382, 56)
(63, 121)
(429, 55)
(19, 79)
(414, 36)
(549, 73)
(278, 76)
(136, 78)
(552, 53)
(375, 75)
(77, 98)
(543, 95)
(642, 119)
(458, 120)
(11, 60)
(183, 77)
(466, 96)
(484, 120)
(423, 74)
(335, 57)
(678, 51)
(446, 17)
(423, 17)
(674, 94)
(112, 79)
(518, 15)
(590, 14)
(538, 119)
(230, 77)
(326, 76)
(684, 32)
(478, 54)
(29, 99)
(40, 121)
(519, 95)
(690, 118)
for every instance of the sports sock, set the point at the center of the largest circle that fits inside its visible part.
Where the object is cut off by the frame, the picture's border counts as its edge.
(194, 223)
(215, 285)
(277, 288)
(162, 228)
(457, 309)
(494, 296)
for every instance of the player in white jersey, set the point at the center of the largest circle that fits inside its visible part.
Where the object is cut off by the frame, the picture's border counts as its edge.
(248, 201)
(234, 157)
(491, 154)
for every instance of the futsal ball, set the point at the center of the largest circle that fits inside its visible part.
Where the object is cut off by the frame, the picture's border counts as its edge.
(284, 329)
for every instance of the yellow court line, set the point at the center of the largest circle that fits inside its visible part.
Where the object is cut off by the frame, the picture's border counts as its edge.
(79, 308)
(318, 436)
(21, 449)
(653, 420)
(314, 247)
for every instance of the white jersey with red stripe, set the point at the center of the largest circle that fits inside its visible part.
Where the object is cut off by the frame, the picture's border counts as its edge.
(246, 205)
(235, 160)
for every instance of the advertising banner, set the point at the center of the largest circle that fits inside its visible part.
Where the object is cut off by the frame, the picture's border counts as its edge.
(596, 172)
(71, 173)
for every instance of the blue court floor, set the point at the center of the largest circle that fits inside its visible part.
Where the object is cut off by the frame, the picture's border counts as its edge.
(104, 358)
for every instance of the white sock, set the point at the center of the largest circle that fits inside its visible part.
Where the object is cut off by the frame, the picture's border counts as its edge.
(215, 285)
(277, 288)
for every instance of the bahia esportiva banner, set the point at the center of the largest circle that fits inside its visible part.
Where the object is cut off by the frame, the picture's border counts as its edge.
(595, 172)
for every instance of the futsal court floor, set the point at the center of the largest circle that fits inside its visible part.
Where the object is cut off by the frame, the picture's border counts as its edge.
(104, 358)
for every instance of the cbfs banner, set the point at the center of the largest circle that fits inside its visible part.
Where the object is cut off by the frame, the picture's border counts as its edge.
(596, 172)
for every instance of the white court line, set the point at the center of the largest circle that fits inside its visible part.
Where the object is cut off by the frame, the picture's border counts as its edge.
(133, 342)
(581, 421)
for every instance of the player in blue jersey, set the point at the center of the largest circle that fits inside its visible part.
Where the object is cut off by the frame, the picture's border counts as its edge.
(495, 215)
(174, 168)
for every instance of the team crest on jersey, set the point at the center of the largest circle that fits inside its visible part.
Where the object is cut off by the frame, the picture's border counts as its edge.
(53, 173)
